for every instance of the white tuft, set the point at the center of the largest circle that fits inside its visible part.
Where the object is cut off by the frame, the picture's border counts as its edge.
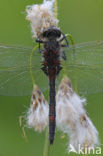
(41, 17)
(37, 115)
(72, 118)
(84, 134)
(68, 106)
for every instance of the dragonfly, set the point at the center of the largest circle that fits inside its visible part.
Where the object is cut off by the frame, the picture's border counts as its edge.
(19, 65)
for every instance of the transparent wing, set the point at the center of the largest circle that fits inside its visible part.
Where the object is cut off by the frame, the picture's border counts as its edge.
(15, 77)
(84, 66)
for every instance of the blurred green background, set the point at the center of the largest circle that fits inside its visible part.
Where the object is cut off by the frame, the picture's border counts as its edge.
(84, 20)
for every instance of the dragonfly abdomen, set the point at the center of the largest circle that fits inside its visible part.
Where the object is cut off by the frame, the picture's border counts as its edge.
(51, 67)
(52, 112)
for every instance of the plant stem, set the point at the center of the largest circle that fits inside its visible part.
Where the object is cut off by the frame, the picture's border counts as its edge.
(47, 144)
(56, 9)
(74, 57)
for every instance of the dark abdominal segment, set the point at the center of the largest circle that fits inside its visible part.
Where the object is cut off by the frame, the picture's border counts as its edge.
(51, 67)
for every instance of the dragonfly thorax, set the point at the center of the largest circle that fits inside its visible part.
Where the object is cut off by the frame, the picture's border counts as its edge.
(52, 45)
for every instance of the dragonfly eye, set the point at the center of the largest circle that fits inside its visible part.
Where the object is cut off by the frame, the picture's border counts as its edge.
(52, 33)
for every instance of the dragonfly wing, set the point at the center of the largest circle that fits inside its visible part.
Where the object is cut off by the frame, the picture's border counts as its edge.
(84, 66)
(15, 83)
(15, 70)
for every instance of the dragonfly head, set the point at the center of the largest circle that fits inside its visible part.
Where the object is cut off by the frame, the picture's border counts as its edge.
(52, 33)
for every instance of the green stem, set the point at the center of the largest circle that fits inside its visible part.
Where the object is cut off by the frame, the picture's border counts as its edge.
(75, 72)
(47, 145)
(71, 39)
(74, 58)
(56, 9)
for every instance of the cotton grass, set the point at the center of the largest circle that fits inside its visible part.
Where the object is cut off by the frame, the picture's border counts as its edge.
(72, 117)
(41, 17)
(37, 115)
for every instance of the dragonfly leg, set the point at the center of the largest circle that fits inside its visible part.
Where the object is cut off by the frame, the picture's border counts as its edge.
(39, 42)
(64, 56)
(63, 45)
(64, 38)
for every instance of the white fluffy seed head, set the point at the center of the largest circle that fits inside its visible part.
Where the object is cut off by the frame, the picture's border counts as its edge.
(84, 134)
(41, 17)
(68, 107)
(72, 118)
(37, 115)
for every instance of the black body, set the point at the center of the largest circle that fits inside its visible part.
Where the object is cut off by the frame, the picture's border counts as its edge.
(51, 66)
